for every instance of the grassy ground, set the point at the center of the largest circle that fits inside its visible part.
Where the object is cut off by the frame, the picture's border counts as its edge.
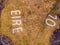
(34, 12)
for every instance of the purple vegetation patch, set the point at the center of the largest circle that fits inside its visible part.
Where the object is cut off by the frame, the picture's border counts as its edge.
(2, 4)
(58, 15)
(5, 40)
(56, 37)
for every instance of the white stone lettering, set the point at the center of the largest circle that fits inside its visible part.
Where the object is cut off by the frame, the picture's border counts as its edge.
(51, 20)
(16, 20)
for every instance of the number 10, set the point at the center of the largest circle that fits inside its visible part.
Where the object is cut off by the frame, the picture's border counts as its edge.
(48, 19)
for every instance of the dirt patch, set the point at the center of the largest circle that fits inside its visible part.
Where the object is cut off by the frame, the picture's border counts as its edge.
(33, 13)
